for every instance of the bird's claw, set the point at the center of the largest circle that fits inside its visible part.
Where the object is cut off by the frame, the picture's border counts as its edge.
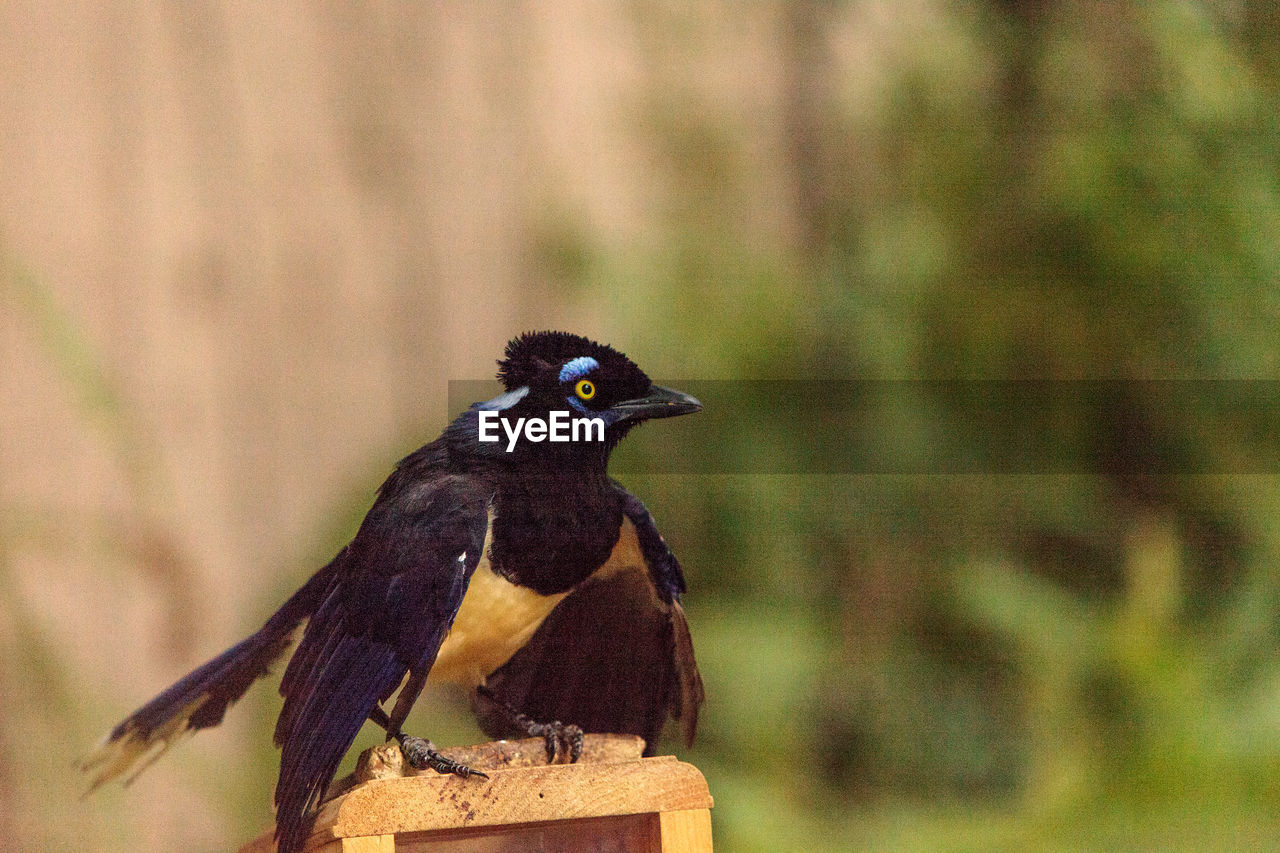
(564, 742)
(421, 754)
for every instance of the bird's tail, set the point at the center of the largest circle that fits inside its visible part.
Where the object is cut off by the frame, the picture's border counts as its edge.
(201, 698)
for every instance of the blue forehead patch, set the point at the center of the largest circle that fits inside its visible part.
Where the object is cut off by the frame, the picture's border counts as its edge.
(579, 366)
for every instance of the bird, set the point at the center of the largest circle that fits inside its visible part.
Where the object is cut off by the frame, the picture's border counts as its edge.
(516, 568)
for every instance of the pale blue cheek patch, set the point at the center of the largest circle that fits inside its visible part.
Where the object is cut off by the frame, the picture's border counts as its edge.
(503, 401)
(577, 404)
(580, 366)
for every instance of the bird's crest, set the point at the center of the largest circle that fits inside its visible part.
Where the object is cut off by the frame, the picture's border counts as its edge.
(538, 357)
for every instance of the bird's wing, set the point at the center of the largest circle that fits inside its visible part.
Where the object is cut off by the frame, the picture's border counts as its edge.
(385, 614)
(615, 655)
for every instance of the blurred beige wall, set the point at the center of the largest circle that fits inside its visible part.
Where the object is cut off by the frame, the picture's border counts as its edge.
(276, 231)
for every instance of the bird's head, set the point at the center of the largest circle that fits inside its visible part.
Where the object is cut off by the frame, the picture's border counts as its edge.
(547, 372)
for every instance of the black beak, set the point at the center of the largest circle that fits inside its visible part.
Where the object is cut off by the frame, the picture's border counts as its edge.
(658, 403)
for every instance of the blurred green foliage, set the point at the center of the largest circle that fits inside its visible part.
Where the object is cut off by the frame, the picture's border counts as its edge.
(1034, 661)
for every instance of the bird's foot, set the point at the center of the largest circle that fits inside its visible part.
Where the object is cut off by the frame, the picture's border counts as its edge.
(421, 754)
(564, 742)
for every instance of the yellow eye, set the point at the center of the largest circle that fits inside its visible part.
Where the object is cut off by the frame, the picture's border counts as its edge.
(585, 389)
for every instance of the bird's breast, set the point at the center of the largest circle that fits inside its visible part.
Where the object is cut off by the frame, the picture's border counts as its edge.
(496, 618)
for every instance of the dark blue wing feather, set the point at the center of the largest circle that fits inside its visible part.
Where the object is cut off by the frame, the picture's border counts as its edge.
(385, 615)
(664, 569)
(355, 674)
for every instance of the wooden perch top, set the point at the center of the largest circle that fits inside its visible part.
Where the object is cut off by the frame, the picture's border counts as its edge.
(386, 762)
(610, 779)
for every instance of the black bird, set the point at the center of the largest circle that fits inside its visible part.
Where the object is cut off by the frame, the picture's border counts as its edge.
(521, 571)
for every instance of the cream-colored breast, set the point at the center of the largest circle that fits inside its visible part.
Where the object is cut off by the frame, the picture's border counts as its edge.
(496, 618)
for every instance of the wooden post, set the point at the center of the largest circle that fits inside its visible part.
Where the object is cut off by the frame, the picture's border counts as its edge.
(611, 800)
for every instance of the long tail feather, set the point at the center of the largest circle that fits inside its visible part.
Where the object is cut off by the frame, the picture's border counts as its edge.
(201, 698)
(197, 701)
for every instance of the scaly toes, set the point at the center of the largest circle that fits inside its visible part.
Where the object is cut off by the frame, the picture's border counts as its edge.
(564, 742)
(421, 754)
(571, 737)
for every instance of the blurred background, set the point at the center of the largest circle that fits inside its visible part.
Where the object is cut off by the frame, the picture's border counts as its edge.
(245, 247)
